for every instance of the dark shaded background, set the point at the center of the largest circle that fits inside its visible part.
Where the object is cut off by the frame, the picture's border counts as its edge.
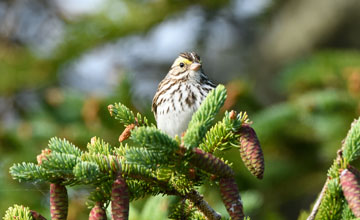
(294, 66)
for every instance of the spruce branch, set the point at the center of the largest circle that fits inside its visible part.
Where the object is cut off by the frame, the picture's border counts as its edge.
(153, 139)
(30, 172)
(18, 212)
(101, 194)
(126, 117)
(204, 117)
(330, 203)
(99, 146)
(203, 206)
(318, 202)
(122, 113)
(351, 146)
(157, 164)
(60, 164)
(222, 135)
(88, 172)
(63, 146)
(146, 157)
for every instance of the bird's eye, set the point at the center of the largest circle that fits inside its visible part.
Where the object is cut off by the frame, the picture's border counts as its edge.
(182, 64)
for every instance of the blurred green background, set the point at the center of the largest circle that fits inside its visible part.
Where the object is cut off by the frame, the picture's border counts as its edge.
(294, 66)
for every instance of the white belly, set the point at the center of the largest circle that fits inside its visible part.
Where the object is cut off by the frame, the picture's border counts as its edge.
(175, 113)
(175, 123)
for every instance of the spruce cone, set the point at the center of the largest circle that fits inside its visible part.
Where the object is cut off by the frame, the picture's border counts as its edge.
(97, 212)
(350, 184)
(43, 156)
(126, 133)
(231, 198)
(210, 163)
(58, 201)
(251, 152)
(36, 215)
(120, 199)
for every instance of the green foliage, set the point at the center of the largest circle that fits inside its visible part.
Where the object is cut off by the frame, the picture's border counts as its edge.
(185, 210)
(60, 164)
(151, 163)
(30, 172)
(87, 172)
(332, 203)
(145, 157)
(99, 146)
(109, 164)
(126, 116)
(204, 117)
(347, 213)
(122, 113)
(18, 212)
(319, 71)
(153, 139)
(351, 145)
(63, 146)
(222, 135)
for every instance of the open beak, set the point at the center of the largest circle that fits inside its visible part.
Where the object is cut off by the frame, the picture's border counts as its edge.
(195, 66)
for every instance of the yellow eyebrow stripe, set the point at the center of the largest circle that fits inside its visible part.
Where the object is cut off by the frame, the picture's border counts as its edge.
(182, 60)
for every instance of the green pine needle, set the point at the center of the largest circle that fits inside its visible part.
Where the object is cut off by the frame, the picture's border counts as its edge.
(204, 117)
(63, 146)
(108, 164)
(222, 135)
(332, 203)
(137, 170)
(126, 116)
(88, 172)
(351, 147)
(154, 139)
(145, 157)
(98, 145)
(18, 212)
(29, 172)
(122, 113)
(60, 163)
(101, 193)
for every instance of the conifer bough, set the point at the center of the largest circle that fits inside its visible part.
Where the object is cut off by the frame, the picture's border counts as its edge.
(340, 196)
(149, 162)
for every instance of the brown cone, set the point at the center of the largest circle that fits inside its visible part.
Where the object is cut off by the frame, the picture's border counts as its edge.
(350, 184)
(210, 163)
(36, 215)
(43, 156)
(231, 198)
(58, 201)
(120, 199)
(251, 152)
(126, 133)
(97, 212)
